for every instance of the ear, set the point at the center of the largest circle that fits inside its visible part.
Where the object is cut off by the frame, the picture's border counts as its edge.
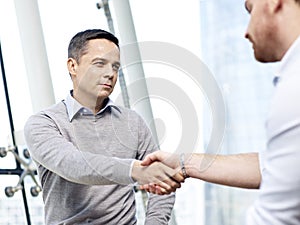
(276, 5)
(72, 66)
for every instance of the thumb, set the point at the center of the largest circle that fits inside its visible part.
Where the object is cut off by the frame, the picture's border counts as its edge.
(149, 159)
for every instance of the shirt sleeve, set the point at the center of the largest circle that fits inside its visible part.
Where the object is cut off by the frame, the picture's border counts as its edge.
(159, 207)
(261, 161)
(50, 149)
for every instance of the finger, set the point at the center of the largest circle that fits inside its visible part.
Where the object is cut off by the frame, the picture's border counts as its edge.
(173, 185)
(144, 187)
(170, 179)
(149, 188)
(156, 189)
(161, 191)
(178, 177)
(175, 174)
(164, 184)
(152, 188)
(169, 185)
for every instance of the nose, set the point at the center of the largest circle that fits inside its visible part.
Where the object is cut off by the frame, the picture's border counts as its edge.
(247, 35)
(109, 72)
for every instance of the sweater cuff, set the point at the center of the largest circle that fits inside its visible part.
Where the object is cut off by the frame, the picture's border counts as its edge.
(122, 174)
(130, 173)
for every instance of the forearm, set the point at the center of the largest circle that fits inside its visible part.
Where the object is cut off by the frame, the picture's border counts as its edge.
(52, 151)
(84, 167)
(239, 170)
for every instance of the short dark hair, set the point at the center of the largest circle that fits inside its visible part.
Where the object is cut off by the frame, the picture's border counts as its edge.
(78, 44)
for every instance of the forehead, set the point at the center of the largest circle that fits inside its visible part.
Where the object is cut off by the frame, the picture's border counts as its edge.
(103, 47)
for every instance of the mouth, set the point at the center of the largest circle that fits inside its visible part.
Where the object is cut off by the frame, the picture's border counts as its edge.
(252, 42)
(107, 85)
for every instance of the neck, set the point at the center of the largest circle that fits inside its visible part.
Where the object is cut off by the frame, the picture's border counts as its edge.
(101, 103)
(291, 31)
(95, 105)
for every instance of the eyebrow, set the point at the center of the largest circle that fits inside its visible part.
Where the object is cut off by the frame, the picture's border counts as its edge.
(105, 61)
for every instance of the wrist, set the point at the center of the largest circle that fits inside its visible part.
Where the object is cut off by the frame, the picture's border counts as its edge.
(196, 164)
(183, 166)
(135, 171)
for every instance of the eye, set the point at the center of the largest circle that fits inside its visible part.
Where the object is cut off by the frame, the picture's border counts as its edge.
(99, 63)
(116, 67)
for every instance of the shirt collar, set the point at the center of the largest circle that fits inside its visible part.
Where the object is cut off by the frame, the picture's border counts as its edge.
(289, 61)
(74, 107)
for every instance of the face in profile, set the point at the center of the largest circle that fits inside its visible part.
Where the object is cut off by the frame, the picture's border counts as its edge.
(262, 30)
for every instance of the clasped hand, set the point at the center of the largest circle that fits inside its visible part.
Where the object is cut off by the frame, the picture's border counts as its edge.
(159, 173)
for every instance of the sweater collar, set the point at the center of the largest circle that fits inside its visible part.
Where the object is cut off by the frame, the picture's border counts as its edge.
(74, 107)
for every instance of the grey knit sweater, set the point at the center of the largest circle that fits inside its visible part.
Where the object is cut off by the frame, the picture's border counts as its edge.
(84, 163)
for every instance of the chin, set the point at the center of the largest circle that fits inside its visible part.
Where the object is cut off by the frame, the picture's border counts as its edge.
(265, 58)
(104, 94)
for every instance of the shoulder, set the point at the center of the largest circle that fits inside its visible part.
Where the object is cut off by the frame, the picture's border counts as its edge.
(54, 112)
(132, 117)
(132, 114)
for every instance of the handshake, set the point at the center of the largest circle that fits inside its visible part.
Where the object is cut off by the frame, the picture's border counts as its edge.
(160, 172)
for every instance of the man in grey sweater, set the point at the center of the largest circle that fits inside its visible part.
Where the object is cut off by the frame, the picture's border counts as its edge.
(88, 150)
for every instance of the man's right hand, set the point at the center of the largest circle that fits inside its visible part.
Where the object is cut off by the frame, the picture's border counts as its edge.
(161, 178)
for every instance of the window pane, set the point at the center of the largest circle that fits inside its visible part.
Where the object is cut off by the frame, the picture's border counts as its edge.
(12, 208)
(246, 87)
(35, 204)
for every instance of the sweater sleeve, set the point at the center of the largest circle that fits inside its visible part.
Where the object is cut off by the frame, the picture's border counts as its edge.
(159, 207)
(50, 149)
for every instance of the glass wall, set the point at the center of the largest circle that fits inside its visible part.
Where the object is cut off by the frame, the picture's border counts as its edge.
(246, 86)
(13, 201)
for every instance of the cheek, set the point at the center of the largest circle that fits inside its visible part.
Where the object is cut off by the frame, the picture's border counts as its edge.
(92, 75)
(253, 25)
(94, 71)
(258, 32)
(115, 79)
(83, 82)
(85, 78)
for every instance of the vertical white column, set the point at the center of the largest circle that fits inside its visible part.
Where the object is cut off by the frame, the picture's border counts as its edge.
(35, 55)
(135, 71)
